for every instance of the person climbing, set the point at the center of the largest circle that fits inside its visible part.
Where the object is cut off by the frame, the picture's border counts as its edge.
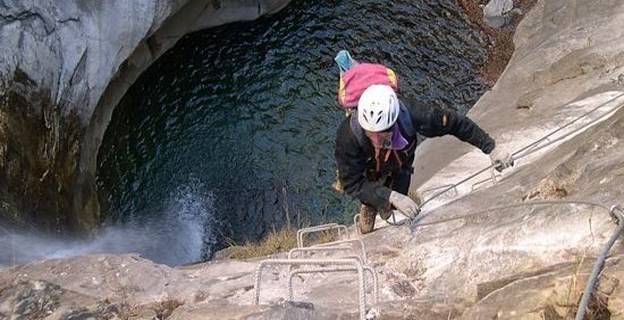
(375, 147)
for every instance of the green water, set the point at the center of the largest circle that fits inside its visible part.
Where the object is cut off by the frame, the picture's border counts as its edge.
(231, 133)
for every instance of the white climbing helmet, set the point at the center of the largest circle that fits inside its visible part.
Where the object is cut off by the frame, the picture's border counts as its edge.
(378, 108)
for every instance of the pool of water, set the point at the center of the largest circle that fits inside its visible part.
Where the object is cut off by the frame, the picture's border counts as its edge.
(230, 134)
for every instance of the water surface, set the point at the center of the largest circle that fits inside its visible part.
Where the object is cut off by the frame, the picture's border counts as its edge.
(241, 119)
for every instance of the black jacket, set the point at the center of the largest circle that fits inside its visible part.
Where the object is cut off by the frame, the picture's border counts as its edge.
(356, 163)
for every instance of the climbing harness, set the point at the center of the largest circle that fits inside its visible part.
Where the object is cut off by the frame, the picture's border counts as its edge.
(324, 227)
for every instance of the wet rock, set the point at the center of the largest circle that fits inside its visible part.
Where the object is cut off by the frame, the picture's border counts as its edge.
(495, 13)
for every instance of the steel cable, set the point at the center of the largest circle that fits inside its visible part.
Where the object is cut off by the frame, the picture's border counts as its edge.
(593, 278)
(521, 152)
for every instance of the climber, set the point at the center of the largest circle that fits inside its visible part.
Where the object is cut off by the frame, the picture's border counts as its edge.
(375, 147)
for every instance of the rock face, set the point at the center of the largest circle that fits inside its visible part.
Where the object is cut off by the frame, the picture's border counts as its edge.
(567, 62)
(522, 260)
(64, 65)
(129, 287)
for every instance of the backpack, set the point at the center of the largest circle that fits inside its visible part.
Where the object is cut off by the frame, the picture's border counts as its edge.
(355, 77)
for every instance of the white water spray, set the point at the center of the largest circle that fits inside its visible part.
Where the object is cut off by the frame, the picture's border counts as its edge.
(182, 233)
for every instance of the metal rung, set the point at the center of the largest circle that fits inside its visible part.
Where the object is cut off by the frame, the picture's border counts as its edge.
(370, 270)
(355, 264)
(356, 218)
(314, 229)
(490, 179)
(348, 241)
(292, 252)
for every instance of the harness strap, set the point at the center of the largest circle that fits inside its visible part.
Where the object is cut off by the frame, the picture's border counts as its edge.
(396, 155)
(387, 153)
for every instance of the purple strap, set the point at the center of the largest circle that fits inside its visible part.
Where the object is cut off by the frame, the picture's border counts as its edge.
(398, 141)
